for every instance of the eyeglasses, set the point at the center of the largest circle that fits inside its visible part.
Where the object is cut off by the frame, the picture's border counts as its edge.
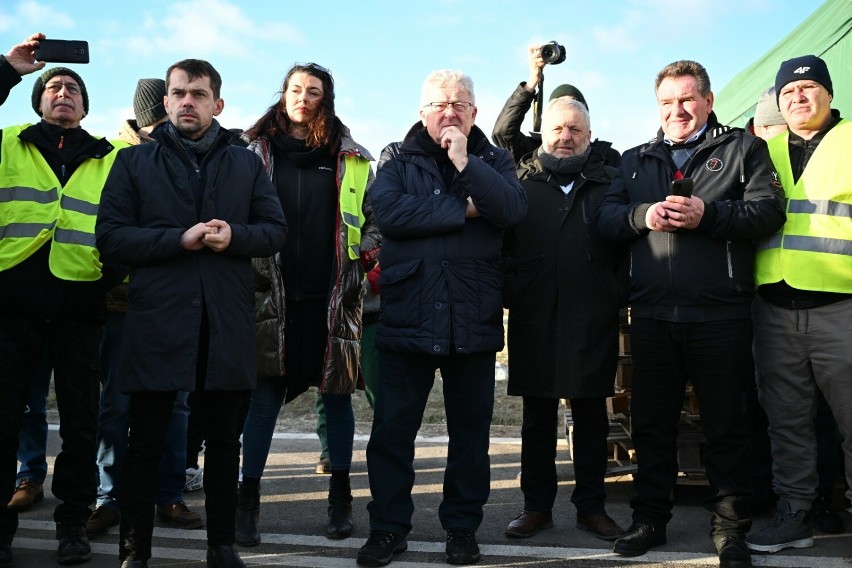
(72, 88)
(458, 106)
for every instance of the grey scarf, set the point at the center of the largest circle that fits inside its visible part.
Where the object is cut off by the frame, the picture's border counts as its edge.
(563, 166)
(198, 147)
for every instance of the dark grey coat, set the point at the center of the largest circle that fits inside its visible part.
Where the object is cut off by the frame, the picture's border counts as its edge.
(563, 288)
(147, 203)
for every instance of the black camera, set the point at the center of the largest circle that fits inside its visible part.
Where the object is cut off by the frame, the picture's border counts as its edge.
(553, 53)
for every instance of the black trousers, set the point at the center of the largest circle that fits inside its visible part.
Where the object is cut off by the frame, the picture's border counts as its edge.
(716, 357)
(538, 453)
(149, 420)
(72, 346)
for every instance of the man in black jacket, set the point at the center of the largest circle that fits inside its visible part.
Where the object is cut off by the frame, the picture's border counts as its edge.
(563, 287)
(442, 198)
(507, 130)
(691, 288)
(187, 213)
(52, 285)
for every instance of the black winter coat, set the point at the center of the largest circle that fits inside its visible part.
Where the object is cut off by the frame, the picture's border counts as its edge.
(441, 282)
(706, 273)
(147, 203)
(564, 286)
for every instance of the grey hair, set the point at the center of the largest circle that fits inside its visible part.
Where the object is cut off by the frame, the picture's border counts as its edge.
(566, 103)
(446, 78)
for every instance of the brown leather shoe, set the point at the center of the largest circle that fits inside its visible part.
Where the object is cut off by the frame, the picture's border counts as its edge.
(27, 494)
(178, 515)
(101, 520)
(528, 523)
(601, 525)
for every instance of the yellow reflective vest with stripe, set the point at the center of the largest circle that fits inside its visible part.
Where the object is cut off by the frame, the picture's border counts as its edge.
(35, 209)
(813, 250)
(353, 186)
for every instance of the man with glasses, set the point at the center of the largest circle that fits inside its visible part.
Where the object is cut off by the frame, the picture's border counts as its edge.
(52, 285)
(442, 198)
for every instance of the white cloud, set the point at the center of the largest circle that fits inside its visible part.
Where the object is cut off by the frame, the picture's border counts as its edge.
(29, 17)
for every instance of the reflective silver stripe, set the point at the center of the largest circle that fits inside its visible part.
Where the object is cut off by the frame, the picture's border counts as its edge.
(822, 207)
(19, 230)
(72, 237)
(78, 205)
(817, 244)
(770, 243)
(351, 220)
(9, 194)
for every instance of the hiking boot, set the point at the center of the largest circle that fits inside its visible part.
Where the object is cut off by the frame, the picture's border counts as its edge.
(73, 545)
(732, 550)
(824, 519)
(101, 520)
(194, 479)
(380, 548)
(27, 494)
(179, 516)
(789, 529)
(462, 547)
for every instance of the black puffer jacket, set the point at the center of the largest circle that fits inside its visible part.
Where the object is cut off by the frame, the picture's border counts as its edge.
(705, 273)
(564, 285)
(441, 282)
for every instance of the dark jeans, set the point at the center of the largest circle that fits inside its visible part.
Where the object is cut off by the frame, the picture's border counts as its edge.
(538, 453)
(405, 380)
(32, 440)
(72, 347)
(150, 414)
(716, 357)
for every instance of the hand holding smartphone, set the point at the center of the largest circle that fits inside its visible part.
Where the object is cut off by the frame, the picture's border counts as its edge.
(682, 187)
(62, 51)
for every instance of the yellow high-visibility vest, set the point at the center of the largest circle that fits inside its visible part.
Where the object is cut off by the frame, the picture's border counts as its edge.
(35, 209)
(813, 250)
(353, 187)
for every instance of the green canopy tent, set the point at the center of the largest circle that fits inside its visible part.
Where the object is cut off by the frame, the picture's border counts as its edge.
(826, 33)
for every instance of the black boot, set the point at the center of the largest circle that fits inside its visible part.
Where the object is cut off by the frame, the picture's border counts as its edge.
(248, 512)
(339, 506)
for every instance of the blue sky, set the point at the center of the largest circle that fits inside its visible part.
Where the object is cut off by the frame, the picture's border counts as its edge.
(380, 51)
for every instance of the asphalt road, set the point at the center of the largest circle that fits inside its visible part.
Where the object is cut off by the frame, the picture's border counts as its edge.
(293, 514)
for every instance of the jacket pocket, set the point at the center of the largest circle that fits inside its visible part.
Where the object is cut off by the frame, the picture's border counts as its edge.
(489, 283)
(401, 292)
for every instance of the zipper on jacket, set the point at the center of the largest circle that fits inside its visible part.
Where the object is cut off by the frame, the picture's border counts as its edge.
(730, 262)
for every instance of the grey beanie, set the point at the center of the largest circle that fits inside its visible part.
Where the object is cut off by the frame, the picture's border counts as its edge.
(566, 90)
(38, 86)
(801, 68)
(766, 112)
(148, 101)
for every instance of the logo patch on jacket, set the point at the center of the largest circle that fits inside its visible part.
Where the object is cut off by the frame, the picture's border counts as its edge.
(714, 165)
(774, 182)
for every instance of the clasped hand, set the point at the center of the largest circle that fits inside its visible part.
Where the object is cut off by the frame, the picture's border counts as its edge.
(675, 213)
(213, 234)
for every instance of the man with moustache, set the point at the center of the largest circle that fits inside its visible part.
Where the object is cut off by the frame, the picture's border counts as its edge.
(803, 308)
(442, 198)
(52, 285)
(691, 288)
(563, 287)
(186, 214)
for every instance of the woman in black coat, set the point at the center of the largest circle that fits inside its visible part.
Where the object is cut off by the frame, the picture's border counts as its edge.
(563, 288)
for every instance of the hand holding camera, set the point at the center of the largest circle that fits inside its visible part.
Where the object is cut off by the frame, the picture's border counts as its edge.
(22, 56)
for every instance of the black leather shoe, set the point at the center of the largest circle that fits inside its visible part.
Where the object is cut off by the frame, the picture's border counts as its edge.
(224, 556)
(380, 548)
(733, 551)
(462, 547)
(639, 538)
(5, 554)
(529, 523)
(601, 525)
(134, 564)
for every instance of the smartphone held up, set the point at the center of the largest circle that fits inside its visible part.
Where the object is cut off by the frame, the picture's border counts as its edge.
(682, 187)
(62, 51)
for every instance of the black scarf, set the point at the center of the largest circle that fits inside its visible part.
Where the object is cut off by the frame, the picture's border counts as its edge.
(564, 169)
